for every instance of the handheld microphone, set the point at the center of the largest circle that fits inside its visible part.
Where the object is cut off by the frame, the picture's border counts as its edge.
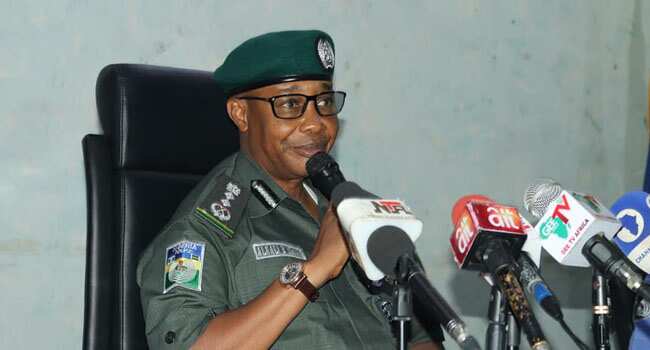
(573, 223)
(360, 212)
(380, 233)
(486, 237)
(324, 173)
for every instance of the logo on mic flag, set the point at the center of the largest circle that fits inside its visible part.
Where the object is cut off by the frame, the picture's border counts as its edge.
(634, 237)
(633, 225)
(465, 232)
(557, 224)
(553, 226)
(390, 207)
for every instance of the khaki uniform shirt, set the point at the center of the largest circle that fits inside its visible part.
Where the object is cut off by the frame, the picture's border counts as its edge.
(226, 243)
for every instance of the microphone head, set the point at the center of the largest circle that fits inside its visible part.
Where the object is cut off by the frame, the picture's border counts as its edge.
(569, 221)
(540, 194)
(319, 161)
(633, 211)
(601, 253)
(349, 189)
(479, 222)
(459, 207)
(324, 173)
(386, 245)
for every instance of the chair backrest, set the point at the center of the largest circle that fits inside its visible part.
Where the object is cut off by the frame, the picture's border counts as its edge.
(164, 128)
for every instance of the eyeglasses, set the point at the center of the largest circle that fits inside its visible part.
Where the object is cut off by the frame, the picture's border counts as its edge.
(293, 106)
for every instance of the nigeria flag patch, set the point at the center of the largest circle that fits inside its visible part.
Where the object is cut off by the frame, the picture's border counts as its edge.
(184, 265)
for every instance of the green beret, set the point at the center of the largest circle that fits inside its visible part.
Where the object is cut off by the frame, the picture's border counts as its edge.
(276, 58)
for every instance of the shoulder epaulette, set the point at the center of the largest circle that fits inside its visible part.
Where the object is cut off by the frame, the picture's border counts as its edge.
(224, 205)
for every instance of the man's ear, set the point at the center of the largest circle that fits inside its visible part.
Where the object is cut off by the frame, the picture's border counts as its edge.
(238, 114)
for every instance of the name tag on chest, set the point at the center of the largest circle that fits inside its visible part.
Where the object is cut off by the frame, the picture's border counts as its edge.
(266, 250)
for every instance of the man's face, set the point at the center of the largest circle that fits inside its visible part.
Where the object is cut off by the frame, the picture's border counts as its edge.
(283, 146)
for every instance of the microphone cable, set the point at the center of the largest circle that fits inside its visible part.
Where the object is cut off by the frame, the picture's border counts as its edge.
(550, 304)
(579, 343)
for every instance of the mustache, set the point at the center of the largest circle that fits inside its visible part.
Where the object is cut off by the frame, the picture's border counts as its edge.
(320, 142)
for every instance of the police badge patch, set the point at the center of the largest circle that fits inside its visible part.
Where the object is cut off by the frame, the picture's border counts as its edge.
(325, 53)
(184, 265)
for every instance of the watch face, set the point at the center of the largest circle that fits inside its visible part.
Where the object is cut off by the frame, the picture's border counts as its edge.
(290, 272)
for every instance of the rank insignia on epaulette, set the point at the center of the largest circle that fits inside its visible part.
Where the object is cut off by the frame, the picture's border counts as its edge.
(223, 206)
(184, 265)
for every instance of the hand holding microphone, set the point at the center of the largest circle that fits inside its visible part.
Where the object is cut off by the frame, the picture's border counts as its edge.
(330, 251)
(379, 234)
(361, 213)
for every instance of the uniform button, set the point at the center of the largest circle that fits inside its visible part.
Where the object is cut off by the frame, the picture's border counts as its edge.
(170, 337)
(385, 307)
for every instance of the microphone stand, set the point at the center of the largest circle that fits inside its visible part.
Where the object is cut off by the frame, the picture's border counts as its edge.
(412, 281)
(600, 321)
(402, 302)
(496, 332)
(503, 330)
(514, 333)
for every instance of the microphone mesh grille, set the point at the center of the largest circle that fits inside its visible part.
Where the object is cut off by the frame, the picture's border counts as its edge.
(540, 194)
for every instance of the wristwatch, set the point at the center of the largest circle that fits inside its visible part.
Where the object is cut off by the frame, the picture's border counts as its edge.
(293, 276)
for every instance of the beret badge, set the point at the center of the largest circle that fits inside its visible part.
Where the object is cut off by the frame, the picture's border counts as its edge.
(325, 53)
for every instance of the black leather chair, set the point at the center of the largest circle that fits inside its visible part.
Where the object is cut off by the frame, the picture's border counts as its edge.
(164, 128)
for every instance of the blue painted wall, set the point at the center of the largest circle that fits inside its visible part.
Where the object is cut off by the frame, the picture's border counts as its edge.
(446, 98)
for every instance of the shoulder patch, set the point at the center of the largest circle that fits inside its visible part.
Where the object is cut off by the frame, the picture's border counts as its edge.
(222, 208)
(184, 265)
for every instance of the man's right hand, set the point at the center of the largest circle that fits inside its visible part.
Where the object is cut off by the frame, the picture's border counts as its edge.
(330, 252)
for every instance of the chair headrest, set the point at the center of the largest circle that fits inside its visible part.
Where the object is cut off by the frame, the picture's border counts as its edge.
(164, 119)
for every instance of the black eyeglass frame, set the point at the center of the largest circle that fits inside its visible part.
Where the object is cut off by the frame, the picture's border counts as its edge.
(271, 101)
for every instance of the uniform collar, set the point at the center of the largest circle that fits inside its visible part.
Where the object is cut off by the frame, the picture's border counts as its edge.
(246, 170)
(322, 202)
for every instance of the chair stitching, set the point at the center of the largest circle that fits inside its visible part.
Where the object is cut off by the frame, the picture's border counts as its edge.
(122, 244)
(122, 117)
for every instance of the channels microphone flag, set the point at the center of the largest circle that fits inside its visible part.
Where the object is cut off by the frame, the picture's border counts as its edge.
(633, 211)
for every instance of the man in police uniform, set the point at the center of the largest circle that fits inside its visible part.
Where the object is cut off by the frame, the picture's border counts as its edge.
(254, 257)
